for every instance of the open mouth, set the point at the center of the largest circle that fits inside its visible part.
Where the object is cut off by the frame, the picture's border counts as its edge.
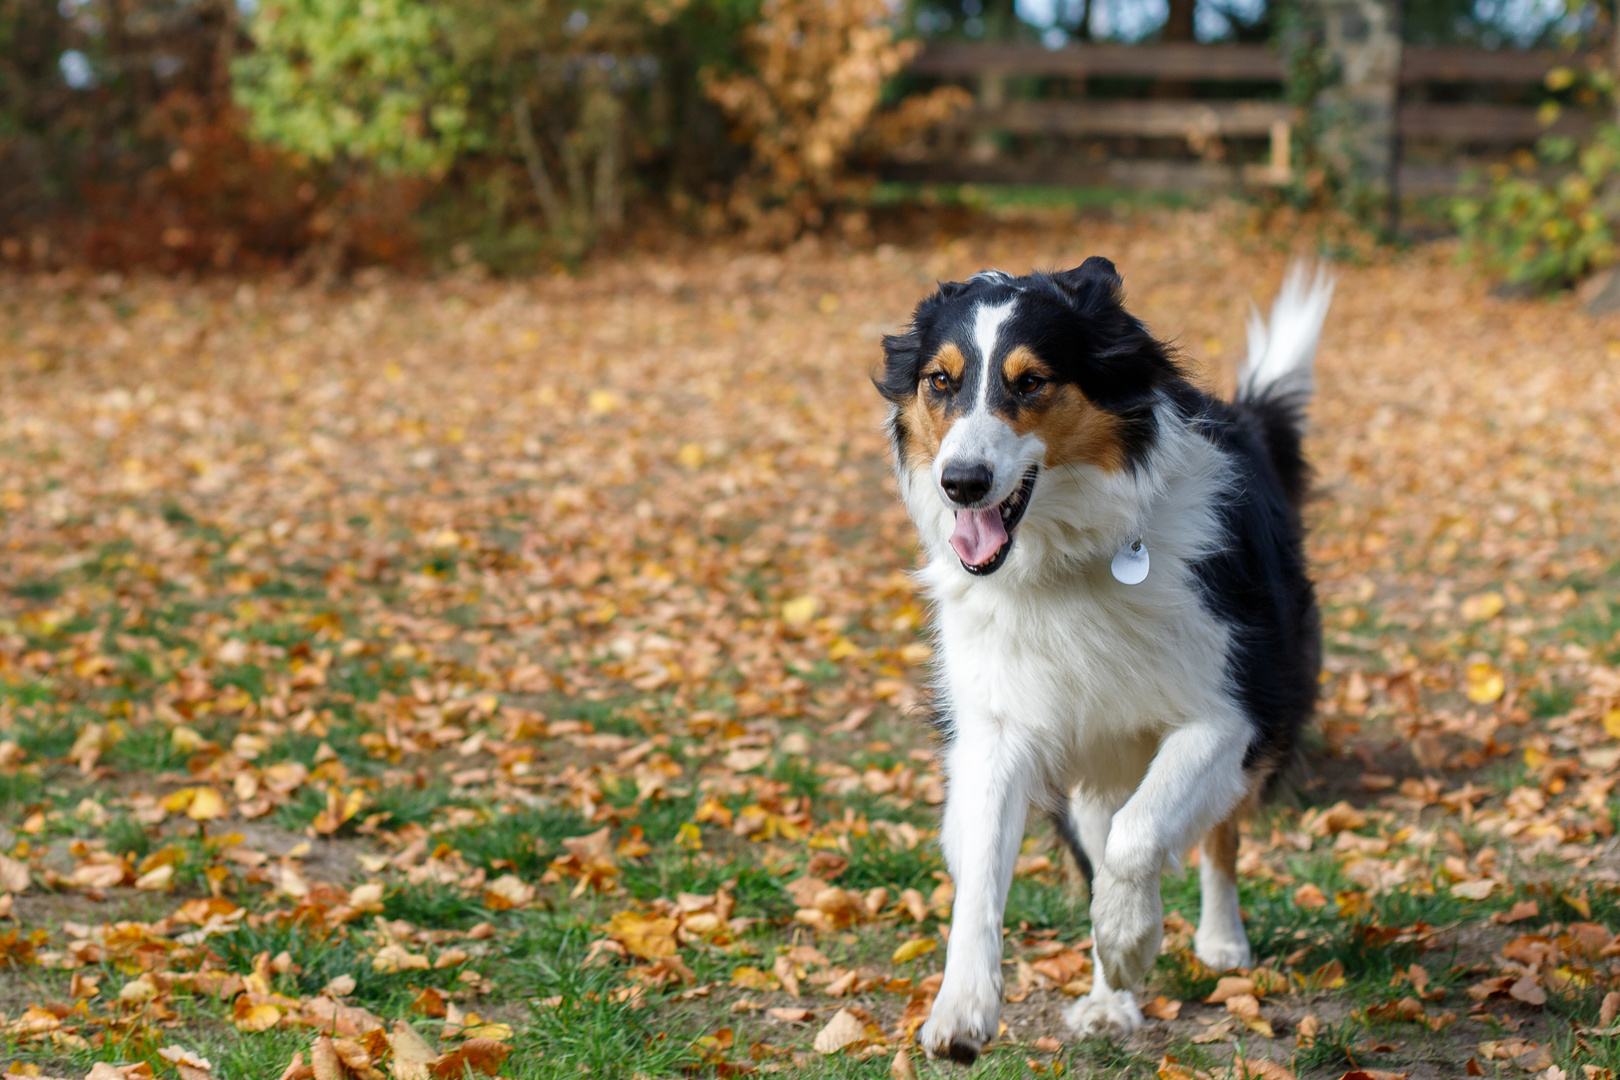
(983, 538)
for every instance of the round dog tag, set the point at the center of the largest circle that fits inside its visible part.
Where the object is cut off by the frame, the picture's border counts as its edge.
(1130, 565)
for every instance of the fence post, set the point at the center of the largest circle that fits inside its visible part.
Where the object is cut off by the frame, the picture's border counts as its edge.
(992, 96)
(1357, 120)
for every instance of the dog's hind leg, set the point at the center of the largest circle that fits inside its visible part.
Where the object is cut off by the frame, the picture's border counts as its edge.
(1220, 941)
(1105, 1010)
(1083, 825)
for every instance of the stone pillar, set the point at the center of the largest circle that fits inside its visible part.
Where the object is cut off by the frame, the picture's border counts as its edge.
(1356, 110)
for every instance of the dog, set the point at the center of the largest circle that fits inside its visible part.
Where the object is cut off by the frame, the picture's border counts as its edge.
(1125, 633)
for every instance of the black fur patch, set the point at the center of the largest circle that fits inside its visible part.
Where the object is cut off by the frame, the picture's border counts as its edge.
(1257, 585)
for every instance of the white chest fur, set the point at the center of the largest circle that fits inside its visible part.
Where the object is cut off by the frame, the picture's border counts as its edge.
(1089, 676)
(1085, 674)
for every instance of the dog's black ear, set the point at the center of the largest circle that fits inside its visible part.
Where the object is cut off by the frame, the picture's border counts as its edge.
(1094, 279)
(950, 290)
(902, 359)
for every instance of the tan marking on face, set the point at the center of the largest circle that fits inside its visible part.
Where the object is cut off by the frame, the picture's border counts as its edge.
(925, 424)
(948, 359)
(924, 419)
(1073, 429)
(1023, 361)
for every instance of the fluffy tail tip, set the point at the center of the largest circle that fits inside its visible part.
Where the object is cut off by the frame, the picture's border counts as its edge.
(1283, 350)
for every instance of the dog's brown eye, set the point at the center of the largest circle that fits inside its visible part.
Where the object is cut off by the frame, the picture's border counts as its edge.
(1028, 384)
(939, 381)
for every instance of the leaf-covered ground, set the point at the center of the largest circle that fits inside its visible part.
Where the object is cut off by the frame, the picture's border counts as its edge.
(523, 676)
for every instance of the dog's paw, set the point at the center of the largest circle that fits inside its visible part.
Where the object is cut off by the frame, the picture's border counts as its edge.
(961, 1024)
(1220, 953)
(1127, 922)
(1104, 1012)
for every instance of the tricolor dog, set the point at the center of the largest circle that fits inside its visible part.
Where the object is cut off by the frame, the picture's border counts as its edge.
(1125, 635)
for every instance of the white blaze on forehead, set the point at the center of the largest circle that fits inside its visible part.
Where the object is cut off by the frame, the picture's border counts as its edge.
(981, 437)
(987, 322)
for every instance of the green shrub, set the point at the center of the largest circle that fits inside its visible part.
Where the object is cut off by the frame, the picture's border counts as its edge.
(1548, 221)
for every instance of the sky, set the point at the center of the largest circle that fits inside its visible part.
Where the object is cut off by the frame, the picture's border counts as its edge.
(1129, 20)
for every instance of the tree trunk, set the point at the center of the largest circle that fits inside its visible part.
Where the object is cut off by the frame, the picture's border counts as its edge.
(1179, 26)
(1614, 32)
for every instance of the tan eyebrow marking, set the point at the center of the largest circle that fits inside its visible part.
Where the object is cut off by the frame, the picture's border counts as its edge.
(1023, 361)
(951, 360)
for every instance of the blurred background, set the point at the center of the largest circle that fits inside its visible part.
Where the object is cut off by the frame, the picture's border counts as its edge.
(319, 136)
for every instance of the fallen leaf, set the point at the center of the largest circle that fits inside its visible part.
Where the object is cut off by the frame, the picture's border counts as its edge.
(911, 950)
(1246, 1007)
(482, 1055)
(844, 1029)
(412, 1056)
(1161, 1008)
(791, 1015)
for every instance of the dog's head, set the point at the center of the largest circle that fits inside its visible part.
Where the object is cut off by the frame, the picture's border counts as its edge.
(1000, 378)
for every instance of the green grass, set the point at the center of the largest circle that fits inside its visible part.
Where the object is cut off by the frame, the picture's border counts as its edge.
(524, 841)
(435, 906)
(874, 863)
(893, 193)
(1334, 1047)
(1043, 906)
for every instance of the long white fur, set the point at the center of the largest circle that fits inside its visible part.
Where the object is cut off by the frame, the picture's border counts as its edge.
(1282, 355)
(1068, 689)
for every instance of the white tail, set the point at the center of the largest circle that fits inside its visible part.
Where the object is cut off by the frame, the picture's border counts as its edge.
(1282, 352)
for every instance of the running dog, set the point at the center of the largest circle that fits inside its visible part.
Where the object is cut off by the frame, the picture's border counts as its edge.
(1126, 637)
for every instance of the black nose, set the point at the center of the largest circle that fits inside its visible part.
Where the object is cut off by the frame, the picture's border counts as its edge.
(966, 484)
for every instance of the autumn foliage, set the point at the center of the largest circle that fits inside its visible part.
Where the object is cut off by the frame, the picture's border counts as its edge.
(810, 104)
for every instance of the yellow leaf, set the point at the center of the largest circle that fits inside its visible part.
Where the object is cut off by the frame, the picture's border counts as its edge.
(206, 805)
(1486, 683)
(843, 647)
(911, 950)
(1611, 721)
(646, 936)
(255, 1017)
(601, 402)
(800, 610)
(1485, 605)
(156, 878)
(690, 455)
(751, 978)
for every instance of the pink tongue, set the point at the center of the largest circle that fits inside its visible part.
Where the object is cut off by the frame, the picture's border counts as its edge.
(979, 535)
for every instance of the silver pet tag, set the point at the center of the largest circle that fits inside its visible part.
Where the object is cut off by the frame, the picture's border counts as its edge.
(1130, 565)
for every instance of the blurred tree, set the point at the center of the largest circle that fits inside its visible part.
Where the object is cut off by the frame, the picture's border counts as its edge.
(809, 102)
(1178, 24)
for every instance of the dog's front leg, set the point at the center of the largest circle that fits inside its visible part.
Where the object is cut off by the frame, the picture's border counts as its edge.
(986, 802)
(1194, 781)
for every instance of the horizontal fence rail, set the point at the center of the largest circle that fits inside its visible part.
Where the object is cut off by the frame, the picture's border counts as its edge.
(1214, 62)
(1203, 121)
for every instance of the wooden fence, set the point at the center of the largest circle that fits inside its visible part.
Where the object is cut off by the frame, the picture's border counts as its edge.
(1151, 131)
